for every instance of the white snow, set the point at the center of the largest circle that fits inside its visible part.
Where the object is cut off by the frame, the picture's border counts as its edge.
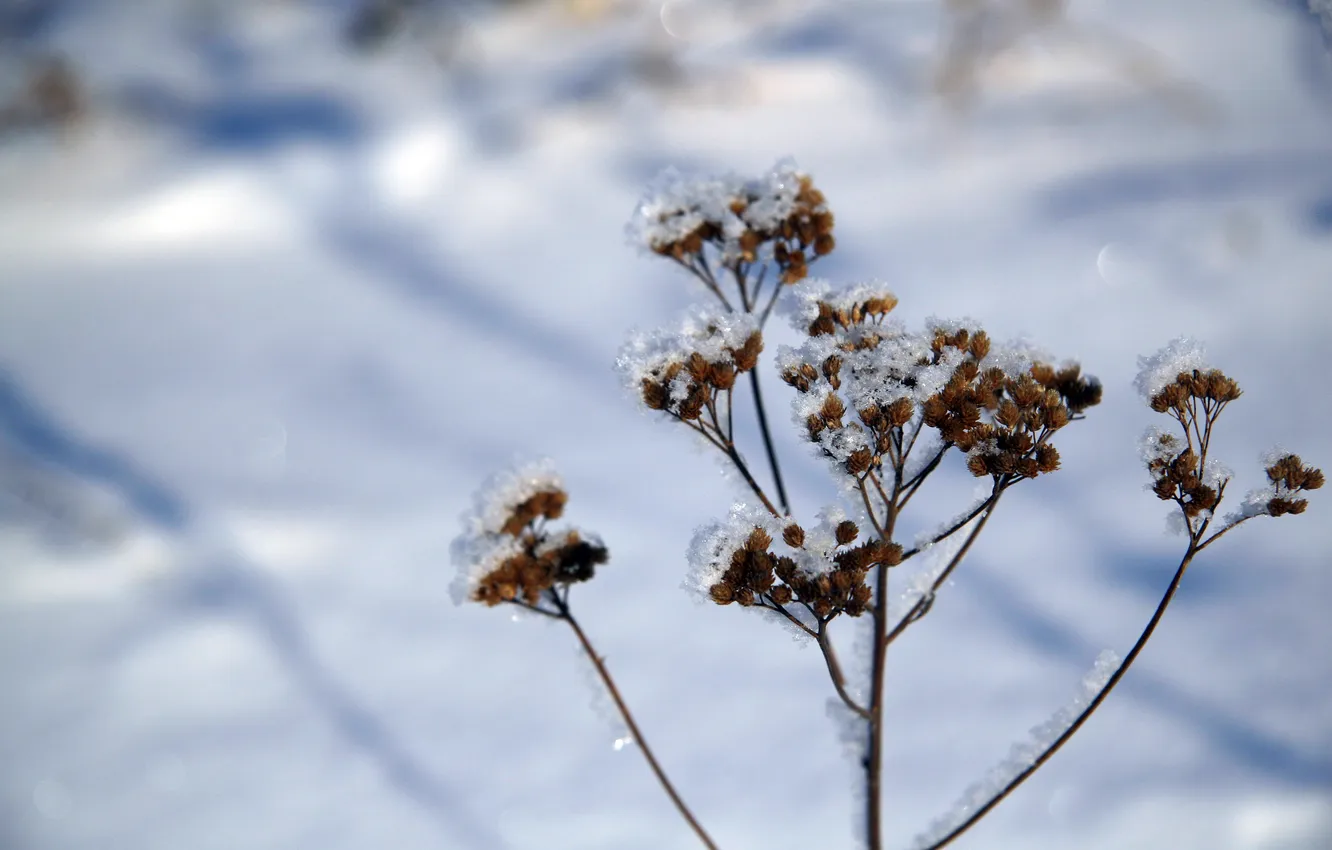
(1157, 371)
(272, 310)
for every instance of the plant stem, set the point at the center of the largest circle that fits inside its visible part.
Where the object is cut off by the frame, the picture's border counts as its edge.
(1086, 712)
(835, 672)
(609, 682)
(767, 443)
(749, 479)
(874, 758)
(926, 602)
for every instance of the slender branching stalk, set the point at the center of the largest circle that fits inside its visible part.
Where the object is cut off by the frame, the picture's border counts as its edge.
(864, 392)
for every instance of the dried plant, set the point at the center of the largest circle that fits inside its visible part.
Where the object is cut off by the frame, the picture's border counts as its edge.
(885, 407)
(979, 35)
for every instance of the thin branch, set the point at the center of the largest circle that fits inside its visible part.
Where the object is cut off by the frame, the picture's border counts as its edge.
(730, 417)
(874, 759)
(705, 275)
(609, 682)
(918, 479)
(1086, 712)
(835, 672)
(536, 609)
(926, 602)
(772, 299)
(727, 448)
(741, 276)
(869, 509)
(766, 601)
(948, 532)
(767, 443)
(753, 485)
(890, 506)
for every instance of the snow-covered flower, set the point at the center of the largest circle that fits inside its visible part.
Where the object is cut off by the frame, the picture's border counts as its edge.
(778, 215)
(507, 553)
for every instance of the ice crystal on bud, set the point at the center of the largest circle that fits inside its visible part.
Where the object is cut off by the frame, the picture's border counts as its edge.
(1287, 477)
(675, 209)
(801, 305)
(674, 206)
(507, 551)
(713, 545)
(712, 333)
(682, 371)
(1157, 446)
(493, 504)
(1182, 355)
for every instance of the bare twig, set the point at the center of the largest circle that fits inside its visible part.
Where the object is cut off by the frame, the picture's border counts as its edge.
(926, 602)
(628, 716)
(1054, 746)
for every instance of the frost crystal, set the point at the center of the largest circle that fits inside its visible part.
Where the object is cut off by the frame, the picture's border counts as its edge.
(1163, 367)
(705, 330)
(673, 206)
(894, 364)
(801, 303)
(1159, 446)
(1023, 753)
(713, 544)
(481, 547)
(1256, 500)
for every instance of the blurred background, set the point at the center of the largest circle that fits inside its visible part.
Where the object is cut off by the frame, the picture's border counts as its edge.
(282, 281)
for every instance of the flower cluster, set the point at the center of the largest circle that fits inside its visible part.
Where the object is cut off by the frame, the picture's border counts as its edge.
(866, 392)
(1178, 475)
(861, 379)
(1288, 476)
(508, 554)
(823, 570)
(781, 215)
(1178, 382)
(682, 371)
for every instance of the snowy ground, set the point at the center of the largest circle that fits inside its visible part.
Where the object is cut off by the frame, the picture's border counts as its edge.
(272, 311)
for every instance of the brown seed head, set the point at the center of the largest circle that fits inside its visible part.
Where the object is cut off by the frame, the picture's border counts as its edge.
(900, 412)
(721, 375)
(697, 366)
(859, 461)
(846, 532)
(1047, 458)
(794, 536)
(832, 408)
(746, 357)
(758, 541)
(832, 366)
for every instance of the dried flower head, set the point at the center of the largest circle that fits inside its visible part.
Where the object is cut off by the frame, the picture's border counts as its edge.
(998, 404)
(821, 572)
(507, 552)
(681, 371)
(1287, 477)
(780, 216)
(1178, 382)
